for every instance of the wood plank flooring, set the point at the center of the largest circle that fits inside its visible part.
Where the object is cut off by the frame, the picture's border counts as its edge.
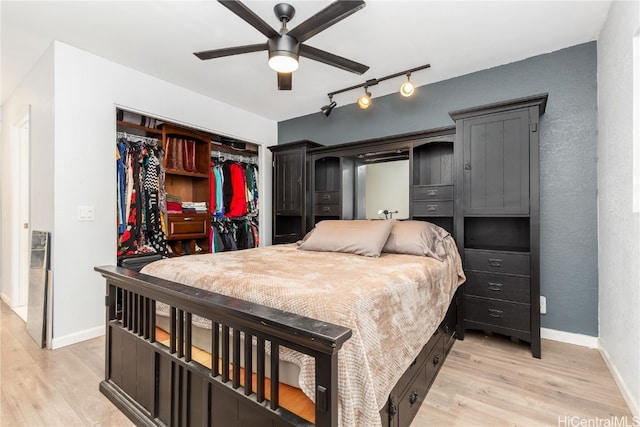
(491, 381)
(486, 381)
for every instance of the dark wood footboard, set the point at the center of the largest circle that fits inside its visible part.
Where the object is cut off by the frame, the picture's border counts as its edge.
(156, 384)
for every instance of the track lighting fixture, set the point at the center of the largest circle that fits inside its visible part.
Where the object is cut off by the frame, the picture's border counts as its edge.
(364, 101)
(327, 109)
(407, 89)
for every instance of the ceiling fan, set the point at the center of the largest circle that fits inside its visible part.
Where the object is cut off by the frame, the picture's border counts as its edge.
(286, 46)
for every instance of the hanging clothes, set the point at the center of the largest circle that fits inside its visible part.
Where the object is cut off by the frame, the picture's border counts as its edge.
(140, 178)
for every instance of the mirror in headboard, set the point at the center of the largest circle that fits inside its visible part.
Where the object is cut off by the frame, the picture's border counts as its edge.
(382, 185)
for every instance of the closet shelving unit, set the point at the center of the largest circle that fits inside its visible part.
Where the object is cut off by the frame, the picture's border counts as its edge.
(187, 233)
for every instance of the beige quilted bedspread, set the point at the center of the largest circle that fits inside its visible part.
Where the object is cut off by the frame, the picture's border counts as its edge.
(393, 304)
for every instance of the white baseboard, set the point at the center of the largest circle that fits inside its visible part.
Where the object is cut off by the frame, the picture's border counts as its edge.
(5, 298)
(87, 334)
(569, 338)
(633, 405)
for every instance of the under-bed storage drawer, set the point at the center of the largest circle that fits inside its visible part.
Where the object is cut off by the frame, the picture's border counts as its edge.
(504, 314)
(187, 226)
(408, 376)
(413, 396)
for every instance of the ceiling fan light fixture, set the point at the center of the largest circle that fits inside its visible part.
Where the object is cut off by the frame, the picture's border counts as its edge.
(283, 62)
(407, 88)
(283, 54)
(364, 101)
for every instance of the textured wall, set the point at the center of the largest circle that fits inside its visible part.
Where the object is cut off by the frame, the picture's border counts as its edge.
(619, 227)
(569, 275)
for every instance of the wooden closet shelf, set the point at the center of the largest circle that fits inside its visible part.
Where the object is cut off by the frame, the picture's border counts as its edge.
(186, 173)
(149, 131)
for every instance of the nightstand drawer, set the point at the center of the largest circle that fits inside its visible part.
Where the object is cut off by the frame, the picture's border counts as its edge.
(497, 261)
(505, 314)
(433, 208)
(498, 286)
(324, 197)
(433, 192)
(185, 226)
(326, 210)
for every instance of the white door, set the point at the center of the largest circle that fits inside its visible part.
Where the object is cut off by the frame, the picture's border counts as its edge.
(22, 199)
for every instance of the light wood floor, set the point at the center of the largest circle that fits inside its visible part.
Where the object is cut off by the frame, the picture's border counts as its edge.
(486, 381)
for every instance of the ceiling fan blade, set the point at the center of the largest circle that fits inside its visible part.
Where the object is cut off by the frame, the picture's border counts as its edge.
(228, 51)
(328, 16)
(284, 81)
(333, 60)
(249, 16)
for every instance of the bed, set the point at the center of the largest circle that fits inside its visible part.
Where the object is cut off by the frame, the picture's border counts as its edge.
(360, 328)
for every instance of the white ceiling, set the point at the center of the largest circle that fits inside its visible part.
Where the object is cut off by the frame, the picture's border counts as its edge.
(158, 38)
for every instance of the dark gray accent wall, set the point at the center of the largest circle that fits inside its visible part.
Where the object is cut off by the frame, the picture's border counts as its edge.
(568, 163)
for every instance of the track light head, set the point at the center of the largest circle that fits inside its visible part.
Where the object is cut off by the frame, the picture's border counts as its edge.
(364, 101)
(327, 109)
(407, 88)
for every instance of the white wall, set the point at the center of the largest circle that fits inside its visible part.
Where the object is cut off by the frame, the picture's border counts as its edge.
(618, 225)
(81, 169)
(36, 90)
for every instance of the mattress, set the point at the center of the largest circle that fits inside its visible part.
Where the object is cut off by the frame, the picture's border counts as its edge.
(392, 304)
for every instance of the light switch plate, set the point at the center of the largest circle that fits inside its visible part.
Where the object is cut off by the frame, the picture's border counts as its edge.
(86, 213)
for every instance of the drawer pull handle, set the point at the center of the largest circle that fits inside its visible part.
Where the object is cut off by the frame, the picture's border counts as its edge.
(413, 398)
(432, 208)
(436, 360)
(494, 262)
(189, 219)
(432, 193)
(326, 209)
(492, 286)
(326, 197)
(495, 313)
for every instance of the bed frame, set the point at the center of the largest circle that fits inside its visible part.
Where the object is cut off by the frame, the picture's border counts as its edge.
(154, 384)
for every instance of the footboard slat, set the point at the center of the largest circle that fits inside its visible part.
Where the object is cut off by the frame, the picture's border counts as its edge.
(275, 375)
(225, 354)
(236, 360)
(215, 348)
(180, 333)
(159, 383)
(172, 330)
(188, 325)
(248, 364)
(260, 370)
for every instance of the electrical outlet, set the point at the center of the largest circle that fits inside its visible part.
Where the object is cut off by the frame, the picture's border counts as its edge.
(543, 305)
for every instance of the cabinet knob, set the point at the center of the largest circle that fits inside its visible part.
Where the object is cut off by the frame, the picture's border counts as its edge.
(467, 166)
(492, 286)
(495, 313)
(494, 262)
(413, 398)
(436, 360)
